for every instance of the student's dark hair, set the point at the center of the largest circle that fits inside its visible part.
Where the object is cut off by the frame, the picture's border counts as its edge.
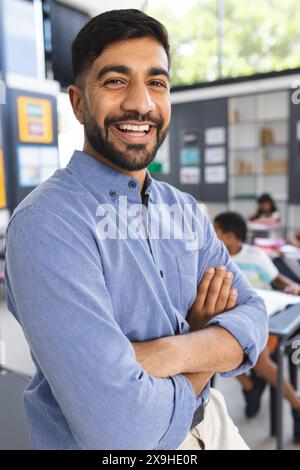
(266, 198)
(232, 222)
(111, 27)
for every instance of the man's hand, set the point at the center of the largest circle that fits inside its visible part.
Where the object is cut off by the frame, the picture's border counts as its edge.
(214, 296)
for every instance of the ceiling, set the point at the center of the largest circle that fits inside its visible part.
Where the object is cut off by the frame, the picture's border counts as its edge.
(94, 7)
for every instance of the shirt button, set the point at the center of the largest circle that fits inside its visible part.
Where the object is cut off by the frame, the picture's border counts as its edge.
(132, 184)
(112, 193)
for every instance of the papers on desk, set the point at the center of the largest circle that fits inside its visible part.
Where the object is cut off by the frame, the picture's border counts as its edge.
(270, 243)
(257, 226)
(276, 301)
(290, 251)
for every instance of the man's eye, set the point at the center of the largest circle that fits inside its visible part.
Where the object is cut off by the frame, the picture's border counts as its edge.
(114, 81)
(158, 84)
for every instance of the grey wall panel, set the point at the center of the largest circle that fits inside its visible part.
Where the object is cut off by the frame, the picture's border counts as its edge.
(195, 118)
(294, 149)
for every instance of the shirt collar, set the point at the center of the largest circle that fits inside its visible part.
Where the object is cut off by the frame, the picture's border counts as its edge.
(103, 180)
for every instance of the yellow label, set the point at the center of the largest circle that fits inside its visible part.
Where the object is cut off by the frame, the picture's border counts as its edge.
(2, 182)
(35, 120)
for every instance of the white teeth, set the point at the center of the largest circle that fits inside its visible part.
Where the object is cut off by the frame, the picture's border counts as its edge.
(129, 127)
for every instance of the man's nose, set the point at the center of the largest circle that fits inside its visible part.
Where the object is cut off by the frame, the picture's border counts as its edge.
(138, 99)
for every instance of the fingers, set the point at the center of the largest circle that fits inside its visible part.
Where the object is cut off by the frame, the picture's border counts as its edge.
(203, 288)
(231, 303)
(224, 293)
(214, 289)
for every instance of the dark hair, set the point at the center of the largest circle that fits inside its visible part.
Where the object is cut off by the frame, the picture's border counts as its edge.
(266, 198)
(232, 222)
(111, 27)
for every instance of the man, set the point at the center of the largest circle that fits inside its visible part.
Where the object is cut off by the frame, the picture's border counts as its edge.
(103, 300)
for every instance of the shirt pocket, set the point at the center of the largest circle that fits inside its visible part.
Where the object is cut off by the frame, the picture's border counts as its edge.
(187, 264)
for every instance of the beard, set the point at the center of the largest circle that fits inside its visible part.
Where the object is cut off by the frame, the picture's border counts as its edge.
(135, 156)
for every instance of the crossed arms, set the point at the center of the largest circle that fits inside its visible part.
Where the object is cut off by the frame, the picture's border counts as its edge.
(203, 352)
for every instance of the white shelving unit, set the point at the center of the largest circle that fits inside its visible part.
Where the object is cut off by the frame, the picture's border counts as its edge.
(258, 150)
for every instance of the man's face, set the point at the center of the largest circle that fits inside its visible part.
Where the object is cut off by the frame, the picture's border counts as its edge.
(126, 109)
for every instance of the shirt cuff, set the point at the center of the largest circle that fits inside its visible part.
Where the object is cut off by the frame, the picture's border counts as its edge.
(184, 408)
(242, 335)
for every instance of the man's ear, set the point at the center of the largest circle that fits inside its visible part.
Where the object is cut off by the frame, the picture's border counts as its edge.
(76, 99)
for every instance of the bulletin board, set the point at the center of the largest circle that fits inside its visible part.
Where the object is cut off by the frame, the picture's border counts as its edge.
(34, 120)
(199, 150)
(2, 182)
(31, 142)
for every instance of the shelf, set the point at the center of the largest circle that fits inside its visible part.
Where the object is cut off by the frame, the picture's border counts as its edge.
(243, 149)
(258, 122)
(245, 175)
(243, 123)
(257, 147)
(281, 144)
(283, 120)
(269, 173)
(251, 197)
(244, 197)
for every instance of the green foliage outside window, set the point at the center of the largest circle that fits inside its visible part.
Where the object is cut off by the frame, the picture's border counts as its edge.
(249, 37)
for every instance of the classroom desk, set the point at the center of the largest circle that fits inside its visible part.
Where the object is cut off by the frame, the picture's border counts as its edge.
(284, 325)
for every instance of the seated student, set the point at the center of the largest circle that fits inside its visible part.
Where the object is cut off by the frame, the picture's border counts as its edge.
(295, 239)
(231, 228)
(260, 271)
(267, 212)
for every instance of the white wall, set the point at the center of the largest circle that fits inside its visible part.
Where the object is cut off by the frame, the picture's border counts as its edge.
(94, 7)
(70, 131)
(14, 351)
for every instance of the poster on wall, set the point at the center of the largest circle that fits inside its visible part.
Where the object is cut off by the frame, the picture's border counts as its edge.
(189, 175)
(34, 120)
(214, 155)
(2, 182)
(215, 174)
(215, 136)
(36, 164)
(190, 156)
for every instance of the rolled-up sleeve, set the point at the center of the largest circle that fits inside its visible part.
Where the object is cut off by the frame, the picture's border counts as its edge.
(248, 321)
(57, 287)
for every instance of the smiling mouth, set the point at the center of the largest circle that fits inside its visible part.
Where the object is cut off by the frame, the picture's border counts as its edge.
(134, 129)
(134, 133)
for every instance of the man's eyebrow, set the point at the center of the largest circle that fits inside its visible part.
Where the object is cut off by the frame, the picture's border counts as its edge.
(159, 71)
(127, 71)
(113, 68)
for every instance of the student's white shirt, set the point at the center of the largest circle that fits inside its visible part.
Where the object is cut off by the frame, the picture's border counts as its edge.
(275, 215)
(256, 265)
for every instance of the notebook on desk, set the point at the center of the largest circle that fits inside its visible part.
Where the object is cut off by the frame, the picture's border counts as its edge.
(276, 301)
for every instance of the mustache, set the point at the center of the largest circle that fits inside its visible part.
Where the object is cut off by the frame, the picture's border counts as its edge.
(134, 116)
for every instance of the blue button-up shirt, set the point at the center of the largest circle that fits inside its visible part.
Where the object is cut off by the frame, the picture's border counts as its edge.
(82, 291)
